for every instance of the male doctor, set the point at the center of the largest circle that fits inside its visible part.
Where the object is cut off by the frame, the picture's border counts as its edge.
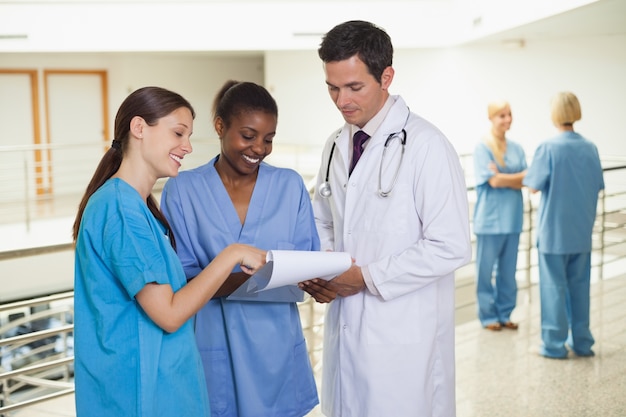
(402, 214)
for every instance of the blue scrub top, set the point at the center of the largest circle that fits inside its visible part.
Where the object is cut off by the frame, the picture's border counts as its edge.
(254, 352)
(498, 210)
(567, 171)
(126, 365)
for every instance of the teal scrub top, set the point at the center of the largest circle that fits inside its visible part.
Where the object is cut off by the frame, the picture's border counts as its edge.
(498, 210)
(567, 171)
(254, 352)
(126, 365)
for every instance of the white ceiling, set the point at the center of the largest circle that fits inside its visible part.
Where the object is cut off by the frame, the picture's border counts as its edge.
(600, 18)
(245, 26)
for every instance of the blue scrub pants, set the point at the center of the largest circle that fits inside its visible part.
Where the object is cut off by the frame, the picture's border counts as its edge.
(496, 253)
(564, 285)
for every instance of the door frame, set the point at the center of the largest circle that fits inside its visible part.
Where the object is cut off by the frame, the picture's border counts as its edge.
(105, 109)
(34, 103)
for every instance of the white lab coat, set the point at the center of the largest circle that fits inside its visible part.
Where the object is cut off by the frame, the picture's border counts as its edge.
(392, 355)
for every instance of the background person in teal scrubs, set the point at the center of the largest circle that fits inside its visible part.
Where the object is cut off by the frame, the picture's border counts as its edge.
(499, 167)
(134, 344)
(567, 171)
(253, 348)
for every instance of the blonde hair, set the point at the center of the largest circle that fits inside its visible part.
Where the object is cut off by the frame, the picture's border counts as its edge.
(565, 109)
(494, 107)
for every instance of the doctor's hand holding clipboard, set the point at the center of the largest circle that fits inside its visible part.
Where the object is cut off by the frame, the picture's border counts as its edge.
(345, 284)
(286, 268)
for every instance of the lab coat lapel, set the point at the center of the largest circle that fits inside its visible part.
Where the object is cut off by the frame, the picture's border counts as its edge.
(363, 182)
(394, 123)
(343, 149)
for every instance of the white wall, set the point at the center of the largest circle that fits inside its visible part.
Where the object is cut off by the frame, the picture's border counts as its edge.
(244, 25)
(451, 87)
(448, 86)
(307, 116)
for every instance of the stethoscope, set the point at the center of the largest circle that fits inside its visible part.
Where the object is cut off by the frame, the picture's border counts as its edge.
(326, 192)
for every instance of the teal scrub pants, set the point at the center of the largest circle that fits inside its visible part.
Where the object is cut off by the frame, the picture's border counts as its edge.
(564, 285)
(496, 255)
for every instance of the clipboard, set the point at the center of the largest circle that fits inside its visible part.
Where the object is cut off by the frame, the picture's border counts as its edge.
(277, 280)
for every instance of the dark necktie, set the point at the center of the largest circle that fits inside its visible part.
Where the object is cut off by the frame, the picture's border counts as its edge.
(357, 147)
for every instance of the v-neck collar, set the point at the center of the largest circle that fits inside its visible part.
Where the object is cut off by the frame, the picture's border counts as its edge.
(245, 233)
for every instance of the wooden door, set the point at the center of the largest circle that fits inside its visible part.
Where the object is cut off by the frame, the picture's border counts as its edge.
(20, 167)
(77, 127)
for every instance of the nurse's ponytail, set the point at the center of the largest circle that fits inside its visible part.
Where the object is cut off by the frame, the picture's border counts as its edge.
(151, 104)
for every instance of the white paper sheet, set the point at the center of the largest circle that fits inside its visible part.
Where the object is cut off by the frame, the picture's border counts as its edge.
(288, 267)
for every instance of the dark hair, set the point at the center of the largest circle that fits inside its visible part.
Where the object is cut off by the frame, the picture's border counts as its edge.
(237, 97)
(151, 104)
(356, 37)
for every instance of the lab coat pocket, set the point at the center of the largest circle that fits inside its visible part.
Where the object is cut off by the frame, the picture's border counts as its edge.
(391, 214)
(395, 322)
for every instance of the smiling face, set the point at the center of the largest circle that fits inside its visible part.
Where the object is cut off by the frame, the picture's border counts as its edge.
(501, 120)
(355, 91)
(167, 142)
(245, 142)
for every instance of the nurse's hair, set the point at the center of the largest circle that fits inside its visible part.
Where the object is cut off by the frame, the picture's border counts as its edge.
(496, 106)
(151, 104)
(565, 109)
(356, 37)
(237, 97)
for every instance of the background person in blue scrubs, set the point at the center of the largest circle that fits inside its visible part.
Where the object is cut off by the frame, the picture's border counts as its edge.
(567, 171)
(253, 349)
(134, 344)
(499, 167)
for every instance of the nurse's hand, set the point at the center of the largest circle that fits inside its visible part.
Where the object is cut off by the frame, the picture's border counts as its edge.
(251, 259)
(321, 290)
(350, 282)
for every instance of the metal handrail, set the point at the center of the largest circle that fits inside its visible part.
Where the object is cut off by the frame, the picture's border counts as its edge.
(40, 250)
(37, 335)
(34, 368)
(16, 379)
(33, 302)
(33, 401)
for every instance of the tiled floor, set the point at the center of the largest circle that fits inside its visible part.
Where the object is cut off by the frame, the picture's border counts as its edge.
(499, 373)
